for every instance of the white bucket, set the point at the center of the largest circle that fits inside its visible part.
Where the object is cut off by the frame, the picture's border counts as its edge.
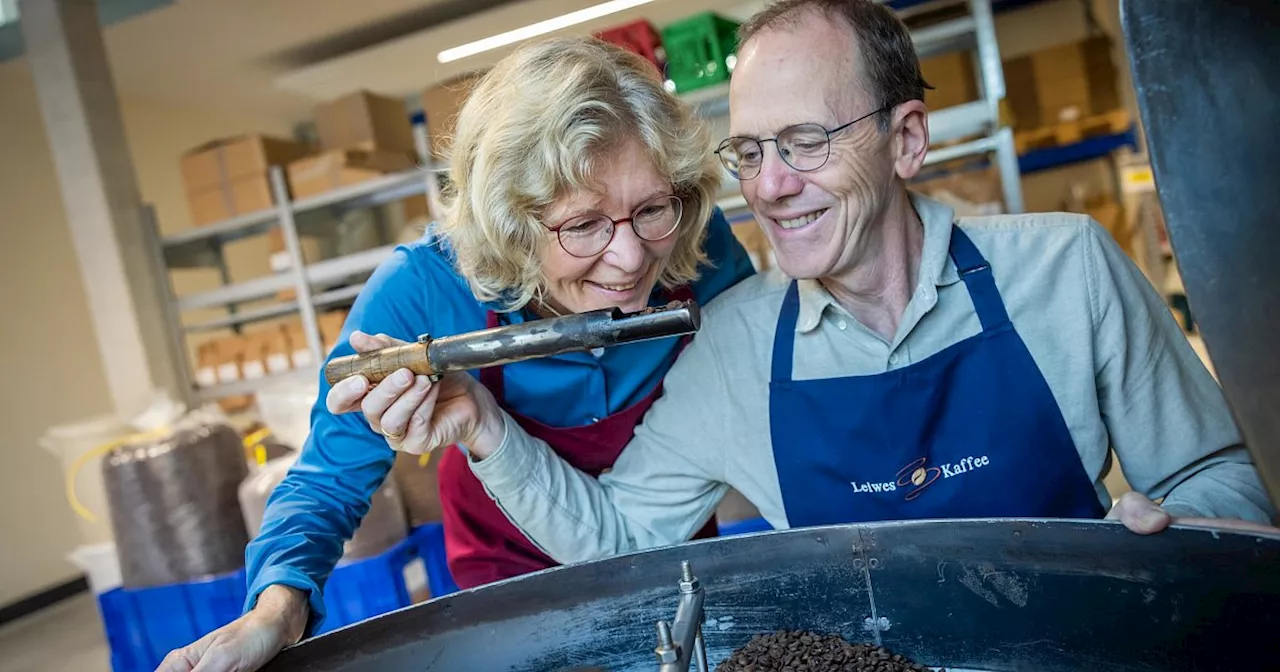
(100, 565)
(68, 443)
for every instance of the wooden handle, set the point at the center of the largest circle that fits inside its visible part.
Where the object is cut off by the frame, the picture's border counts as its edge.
(379, 364)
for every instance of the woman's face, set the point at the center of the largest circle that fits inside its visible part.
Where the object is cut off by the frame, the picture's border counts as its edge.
(624, 273)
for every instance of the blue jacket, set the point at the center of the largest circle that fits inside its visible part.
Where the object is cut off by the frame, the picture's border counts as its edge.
(321, 501)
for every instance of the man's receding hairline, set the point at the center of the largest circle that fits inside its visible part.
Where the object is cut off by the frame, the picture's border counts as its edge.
(792, 20)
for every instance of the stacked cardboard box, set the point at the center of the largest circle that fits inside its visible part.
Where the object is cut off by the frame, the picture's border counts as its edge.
(229, 177)
(953, 79)
(337, 168)
(262, 353)
(441, 104)
(362, 136)
(1062, 84)
(365, 121)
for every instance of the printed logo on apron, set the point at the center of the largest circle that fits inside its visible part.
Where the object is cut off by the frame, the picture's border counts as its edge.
(919, 475)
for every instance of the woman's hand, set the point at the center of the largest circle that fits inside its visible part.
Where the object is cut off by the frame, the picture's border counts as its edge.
(249, 642)
(417, 416)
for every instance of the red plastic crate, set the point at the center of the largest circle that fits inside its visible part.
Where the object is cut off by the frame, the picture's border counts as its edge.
(640, 37)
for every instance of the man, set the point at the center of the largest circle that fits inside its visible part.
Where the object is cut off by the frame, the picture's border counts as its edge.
(918, 368)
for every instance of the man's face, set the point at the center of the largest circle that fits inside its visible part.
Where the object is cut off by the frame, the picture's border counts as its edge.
(809, 72)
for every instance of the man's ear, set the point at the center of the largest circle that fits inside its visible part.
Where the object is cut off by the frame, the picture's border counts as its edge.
(910, 130)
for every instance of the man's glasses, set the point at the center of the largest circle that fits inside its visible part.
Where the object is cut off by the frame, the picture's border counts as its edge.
(805, 147)
(588, 235)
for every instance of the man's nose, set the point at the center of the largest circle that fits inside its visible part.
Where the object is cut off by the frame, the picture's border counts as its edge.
(777, 179)
(626, 250)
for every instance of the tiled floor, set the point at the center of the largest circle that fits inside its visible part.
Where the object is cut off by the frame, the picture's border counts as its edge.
(66, 637)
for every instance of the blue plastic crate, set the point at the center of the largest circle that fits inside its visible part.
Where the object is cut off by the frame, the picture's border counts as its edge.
(745, 527)
(143, 624)
(430, 539)
(368, 587)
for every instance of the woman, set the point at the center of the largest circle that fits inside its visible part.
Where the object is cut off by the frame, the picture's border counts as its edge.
(578, 183)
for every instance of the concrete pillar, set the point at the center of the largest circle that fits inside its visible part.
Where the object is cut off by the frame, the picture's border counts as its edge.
(101, 201)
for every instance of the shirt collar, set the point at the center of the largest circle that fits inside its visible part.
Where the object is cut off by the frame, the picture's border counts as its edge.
(936, 267)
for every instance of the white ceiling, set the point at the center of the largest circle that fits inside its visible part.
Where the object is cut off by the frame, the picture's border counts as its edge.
(278, 58)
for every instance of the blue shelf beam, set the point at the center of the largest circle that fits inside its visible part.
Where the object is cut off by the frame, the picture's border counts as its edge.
(1085, 150)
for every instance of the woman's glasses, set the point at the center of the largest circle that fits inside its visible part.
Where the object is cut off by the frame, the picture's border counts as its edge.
(589, 235)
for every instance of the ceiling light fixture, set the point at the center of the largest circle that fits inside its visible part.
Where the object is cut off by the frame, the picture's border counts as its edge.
(536, 29)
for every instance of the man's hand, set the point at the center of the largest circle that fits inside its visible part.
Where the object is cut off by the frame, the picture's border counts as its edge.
(1143, 516)
(417, 416)
(249, 642)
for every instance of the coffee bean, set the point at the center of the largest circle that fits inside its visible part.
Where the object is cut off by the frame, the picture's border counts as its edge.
(803, 651)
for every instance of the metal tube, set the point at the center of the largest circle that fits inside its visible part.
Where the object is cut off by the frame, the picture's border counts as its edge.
(571, 333)
(519, 342)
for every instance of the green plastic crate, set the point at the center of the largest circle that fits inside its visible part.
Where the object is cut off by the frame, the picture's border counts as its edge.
(701, 51)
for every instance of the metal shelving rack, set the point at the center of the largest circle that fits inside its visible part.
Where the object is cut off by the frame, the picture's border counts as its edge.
(970, 129)
(202, 247)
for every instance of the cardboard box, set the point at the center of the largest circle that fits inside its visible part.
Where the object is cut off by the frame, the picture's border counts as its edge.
(277, 351)
(441, 105)
(231, 356)
(953, 80)
(972, 192)
(229, 177)
(330, 324)
(253, 358)
(337, 168)
(207, 361)
(1020, 93)
(229, 159)
(300, 354)
(278, 260)
(230, 199)
(363, 120)
(1062, 83)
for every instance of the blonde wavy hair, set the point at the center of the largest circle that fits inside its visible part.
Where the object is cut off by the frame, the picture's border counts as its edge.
(534, 129)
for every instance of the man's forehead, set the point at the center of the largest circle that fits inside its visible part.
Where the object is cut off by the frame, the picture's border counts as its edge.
(803, 71)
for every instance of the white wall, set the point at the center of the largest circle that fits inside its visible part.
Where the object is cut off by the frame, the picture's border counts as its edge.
(53, 372)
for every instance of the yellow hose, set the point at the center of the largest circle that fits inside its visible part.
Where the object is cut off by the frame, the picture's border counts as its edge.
(99, 451)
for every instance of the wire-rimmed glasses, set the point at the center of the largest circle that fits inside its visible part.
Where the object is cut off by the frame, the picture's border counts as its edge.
(589, 235)
(805, 147)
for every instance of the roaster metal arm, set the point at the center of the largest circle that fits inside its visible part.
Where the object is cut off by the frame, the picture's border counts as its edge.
(680, 644)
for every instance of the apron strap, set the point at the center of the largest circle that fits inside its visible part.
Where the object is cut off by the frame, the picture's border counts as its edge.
(784, 338)
(978, 279)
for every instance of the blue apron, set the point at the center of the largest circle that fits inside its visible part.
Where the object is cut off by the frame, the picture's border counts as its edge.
(972, 431)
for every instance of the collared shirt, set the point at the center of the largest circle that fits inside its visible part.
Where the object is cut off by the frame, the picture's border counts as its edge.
(417, 291)
(1122, 373)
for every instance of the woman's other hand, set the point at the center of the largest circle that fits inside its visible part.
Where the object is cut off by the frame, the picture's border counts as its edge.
(249, 642)
(415, 415)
